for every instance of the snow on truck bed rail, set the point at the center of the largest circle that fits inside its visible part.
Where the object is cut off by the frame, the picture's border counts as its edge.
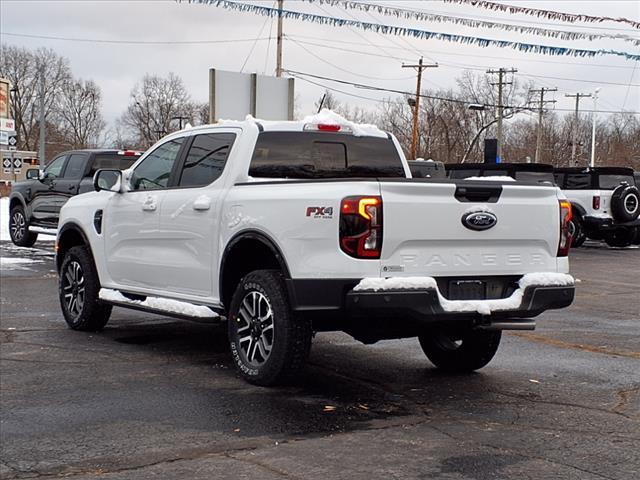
(483, 307)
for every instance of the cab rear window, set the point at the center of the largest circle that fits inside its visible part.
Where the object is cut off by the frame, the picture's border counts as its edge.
(112, 161)
(309, 155)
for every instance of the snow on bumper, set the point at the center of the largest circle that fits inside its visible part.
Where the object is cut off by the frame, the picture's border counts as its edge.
(536, 292)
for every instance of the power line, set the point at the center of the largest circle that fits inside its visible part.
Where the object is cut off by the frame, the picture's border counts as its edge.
(435, 97)
(254, 44)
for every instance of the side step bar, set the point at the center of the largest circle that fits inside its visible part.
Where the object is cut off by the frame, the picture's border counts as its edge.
(161, 306)
(526, 325)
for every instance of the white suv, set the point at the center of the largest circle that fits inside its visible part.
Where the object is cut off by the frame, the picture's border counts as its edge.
(605, 203)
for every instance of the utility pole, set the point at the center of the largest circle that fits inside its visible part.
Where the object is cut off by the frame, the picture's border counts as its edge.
(41, 152)
(541, 104)
(501, 73)
(576, 119)
(593, 128)
(279, 47)
(416, 108)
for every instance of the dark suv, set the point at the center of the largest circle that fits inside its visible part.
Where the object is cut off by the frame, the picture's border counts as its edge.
(35, 204)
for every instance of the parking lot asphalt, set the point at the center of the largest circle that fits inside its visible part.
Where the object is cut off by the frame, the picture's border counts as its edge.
(153, 397)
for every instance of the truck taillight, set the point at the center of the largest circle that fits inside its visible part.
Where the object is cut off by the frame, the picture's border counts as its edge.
(565, 236)
(361, 226)
(596, 202)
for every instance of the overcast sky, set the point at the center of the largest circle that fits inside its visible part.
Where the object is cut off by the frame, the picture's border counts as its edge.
(338, 52)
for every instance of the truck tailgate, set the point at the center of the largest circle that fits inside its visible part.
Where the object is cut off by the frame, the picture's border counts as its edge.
(424, 233)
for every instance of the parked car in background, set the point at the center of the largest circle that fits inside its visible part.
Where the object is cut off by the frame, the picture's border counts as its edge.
(34, 204)
(526, 172)
(605, 203)
(421, 168)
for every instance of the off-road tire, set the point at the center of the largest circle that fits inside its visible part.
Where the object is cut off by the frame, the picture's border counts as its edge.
(474, 349)
(625, 203)
(290, 336)
(620, 237)
(19, 228)
(577, 231)
(78, 272)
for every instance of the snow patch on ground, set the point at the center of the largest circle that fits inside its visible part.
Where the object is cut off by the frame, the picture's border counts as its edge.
(483, 307)
(9, 263)
(4, 223)
(164, 304)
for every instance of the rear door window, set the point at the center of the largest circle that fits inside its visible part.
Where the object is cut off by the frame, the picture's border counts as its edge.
(578, 181)
(206, 159)
(75, 166)
(324, 155)
(535, 177)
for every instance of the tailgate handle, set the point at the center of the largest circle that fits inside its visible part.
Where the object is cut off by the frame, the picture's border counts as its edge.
(480, 193)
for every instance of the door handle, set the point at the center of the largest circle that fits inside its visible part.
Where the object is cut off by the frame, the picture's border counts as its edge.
(202, 203)
(149, 204)
(72, 187)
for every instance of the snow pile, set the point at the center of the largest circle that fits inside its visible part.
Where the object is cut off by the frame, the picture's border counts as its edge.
(156, 303)
(4, 219)
(332, 118)
(4, 224)
(483, 307)
(493, 178)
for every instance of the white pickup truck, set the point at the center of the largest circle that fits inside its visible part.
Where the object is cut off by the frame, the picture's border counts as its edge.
(284, 229)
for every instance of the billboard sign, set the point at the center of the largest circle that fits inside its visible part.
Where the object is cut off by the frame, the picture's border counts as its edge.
(233, 96)
(4, 98)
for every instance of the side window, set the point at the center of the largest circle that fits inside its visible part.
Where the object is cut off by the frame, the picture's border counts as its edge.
(55, 167)
(206, 159)
(578, 181)
(154, 171)
(75, 165)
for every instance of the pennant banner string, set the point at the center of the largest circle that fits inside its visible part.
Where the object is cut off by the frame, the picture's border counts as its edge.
(409, 14)
(413, 32)
(549, 14)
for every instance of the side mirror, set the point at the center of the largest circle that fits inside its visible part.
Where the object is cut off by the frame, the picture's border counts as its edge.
(110, 180)
(33, 174)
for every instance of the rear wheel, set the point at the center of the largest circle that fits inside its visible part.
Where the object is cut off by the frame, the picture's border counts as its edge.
(78, 289)
(19, 228)
(269, 344)
(620, 237)
(577, 232)
(462, 351)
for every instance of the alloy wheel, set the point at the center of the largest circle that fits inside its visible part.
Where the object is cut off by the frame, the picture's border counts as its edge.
(18, 226)
(73, 288)
(255, 328)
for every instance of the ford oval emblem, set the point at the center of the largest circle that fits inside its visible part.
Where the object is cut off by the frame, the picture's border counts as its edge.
(479, 220)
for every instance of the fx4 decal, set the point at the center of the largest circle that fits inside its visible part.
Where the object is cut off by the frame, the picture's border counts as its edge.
(320, 212)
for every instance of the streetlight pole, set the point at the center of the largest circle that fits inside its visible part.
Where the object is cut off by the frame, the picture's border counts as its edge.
(593, 128)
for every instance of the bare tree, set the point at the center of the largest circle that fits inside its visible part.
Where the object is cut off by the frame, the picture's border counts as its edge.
(24, 69)
(156, 102)
(79, 113)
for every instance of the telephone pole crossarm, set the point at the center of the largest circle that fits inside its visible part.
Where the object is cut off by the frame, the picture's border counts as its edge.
(419, 67)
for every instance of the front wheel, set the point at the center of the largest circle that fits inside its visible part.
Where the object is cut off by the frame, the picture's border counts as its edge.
(462, 351)
(78, 289)
(19, 228)
(269, 344)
